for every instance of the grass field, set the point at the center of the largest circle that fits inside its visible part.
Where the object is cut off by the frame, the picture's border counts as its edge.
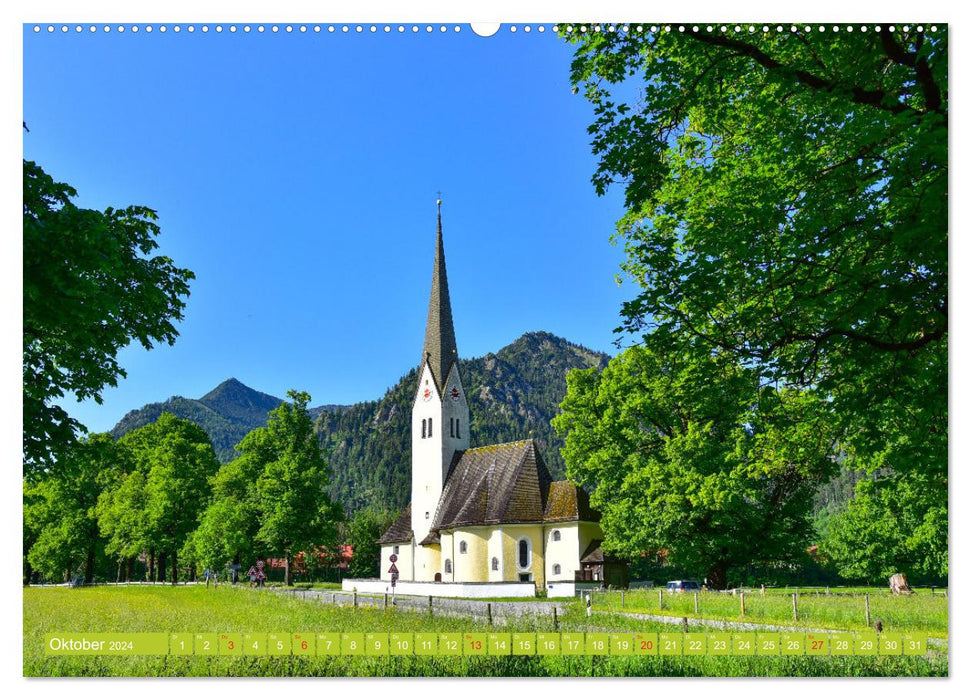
(921, 612)
(197, 609)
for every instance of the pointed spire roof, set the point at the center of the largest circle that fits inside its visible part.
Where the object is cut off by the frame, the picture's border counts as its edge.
(440, 349)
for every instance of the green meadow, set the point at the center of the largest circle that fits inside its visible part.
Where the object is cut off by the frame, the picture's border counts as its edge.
(198, 609)
(844, 610)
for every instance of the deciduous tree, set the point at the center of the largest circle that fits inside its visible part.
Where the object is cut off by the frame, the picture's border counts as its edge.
(786, 198)
(295, 512)
(157, 506)
(688, 456)
(90, 288)
(61, 508)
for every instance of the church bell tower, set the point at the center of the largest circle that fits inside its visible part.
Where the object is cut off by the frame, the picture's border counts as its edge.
(439, 415)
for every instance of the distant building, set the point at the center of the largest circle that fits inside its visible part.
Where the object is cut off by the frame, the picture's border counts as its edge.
(482, 514)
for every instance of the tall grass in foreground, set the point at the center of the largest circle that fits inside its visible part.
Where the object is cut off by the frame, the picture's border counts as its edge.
(197, 609)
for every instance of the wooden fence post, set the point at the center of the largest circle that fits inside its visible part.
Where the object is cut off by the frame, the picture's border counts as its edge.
(660, 600)
(622, 600)
(795, 607)
(385, 601)
(355, 597)
(866, 604)
(489, 613)
(743, 603)
(430, 610)
(696, 603)
(589, 604)
(556, 622)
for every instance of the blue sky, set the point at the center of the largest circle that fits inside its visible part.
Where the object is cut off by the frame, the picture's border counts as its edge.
(296, 175)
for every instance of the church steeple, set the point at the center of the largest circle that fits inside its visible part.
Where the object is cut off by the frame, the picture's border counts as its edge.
(440, 349)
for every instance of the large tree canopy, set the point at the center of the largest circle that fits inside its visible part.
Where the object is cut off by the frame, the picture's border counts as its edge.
(786, 203)
(688, 456)
(272, 499)
(295, 512)
(156, 506)
(90, 288)
(60, 509)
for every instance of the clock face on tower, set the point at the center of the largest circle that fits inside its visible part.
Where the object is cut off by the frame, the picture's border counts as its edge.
(454, 393)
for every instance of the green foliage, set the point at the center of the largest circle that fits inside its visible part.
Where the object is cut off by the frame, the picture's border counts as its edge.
(513, 394)
(156, 505)
(363, 532)
(272, 498)
(892, 525)
(89, 290)
(787, 203)
(227, 528)
(688, 457)
(59, 510)
(295, 512)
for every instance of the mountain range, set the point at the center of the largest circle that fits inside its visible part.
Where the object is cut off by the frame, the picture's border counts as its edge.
(513, 394)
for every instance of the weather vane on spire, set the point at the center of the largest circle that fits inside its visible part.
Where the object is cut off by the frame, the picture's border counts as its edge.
(439, 200)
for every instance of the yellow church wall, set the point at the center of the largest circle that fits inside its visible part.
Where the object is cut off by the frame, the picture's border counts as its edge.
(511, 535)
(428, 560)
(473, 565)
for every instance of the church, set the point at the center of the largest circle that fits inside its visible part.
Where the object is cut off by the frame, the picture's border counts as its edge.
(488, 514)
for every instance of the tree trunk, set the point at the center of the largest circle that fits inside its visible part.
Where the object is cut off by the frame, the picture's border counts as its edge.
(128, 565)
(175, 568)
(160, 569)
(289, 569)
(718, 576)
(151, 565)
(89, 566)
(121, 564)
(28, 572)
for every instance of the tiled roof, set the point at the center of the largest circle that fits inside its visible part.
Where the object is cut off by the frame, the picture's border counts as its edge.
(400, 530)
(491, 485)
(567, 501)
(439, 349)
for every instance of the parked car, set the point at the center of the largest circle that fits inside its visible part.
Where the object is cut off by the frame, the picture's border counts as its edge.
(687, 586)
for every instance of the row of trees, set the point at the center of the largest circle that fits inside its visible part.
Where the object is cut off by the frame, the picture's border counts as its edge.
(786, 233)
(160, 491)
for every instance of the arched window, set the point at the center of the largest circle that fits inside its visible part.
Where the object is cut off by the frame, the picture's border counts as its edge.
(495, 563)
(448, 566)
(463, 547)
(523, 553)
(556, 535)
(424, 428)
(556, 569)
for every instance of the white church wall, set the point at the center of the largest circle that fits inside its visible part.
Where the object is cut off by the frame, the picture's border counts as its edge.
(565, 552)
(495, 551)
(426, 457)
(404, 562)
